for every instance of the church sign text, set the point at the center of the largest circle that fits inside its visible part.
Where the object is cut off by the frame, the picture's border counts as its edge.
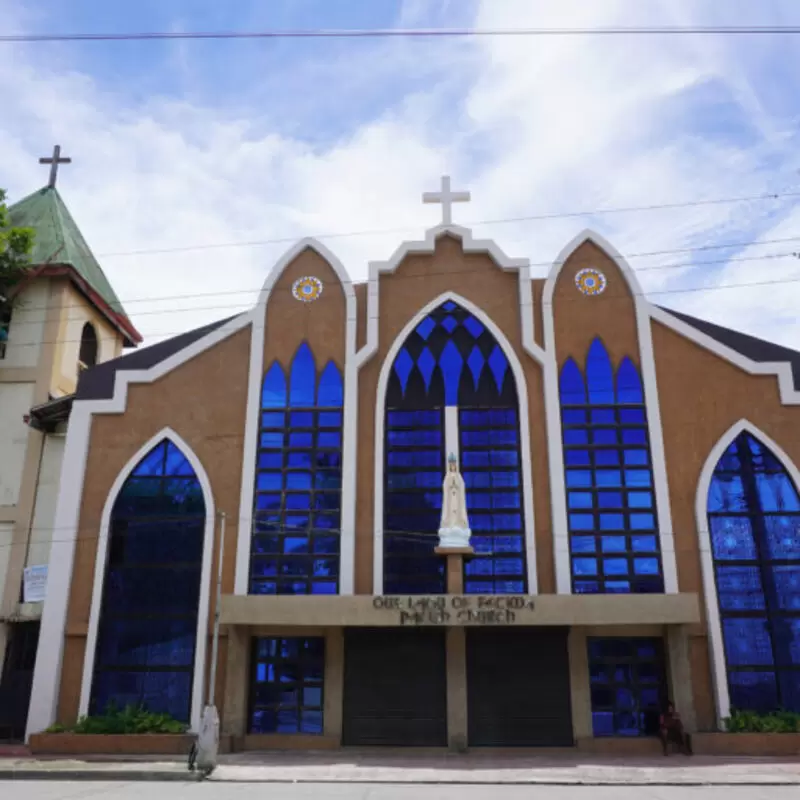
(456, 609)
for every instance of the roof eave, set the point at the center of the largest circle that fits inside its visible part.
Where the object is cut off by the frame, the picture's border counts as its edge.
(119, 321)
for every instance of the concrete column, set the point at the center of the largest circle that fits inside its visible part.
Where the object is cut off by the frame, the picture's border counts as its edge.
(680, 675)
(580, 689)
(237, 681)
(456, 646)
(334, 684)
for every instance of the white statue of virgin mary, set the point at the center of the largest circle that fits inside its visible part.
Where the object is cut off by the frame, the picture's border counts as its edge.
(454, 528)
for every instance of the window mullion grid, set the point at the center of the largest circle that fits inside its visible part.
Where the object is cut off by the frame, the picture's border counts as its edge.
(623, 489)
(310, 531)
(492, 511)
(765, 565)
(419, 510)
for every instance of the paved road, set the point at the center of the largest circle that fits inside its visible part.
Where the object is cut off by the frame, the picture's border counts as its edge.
(92, 790)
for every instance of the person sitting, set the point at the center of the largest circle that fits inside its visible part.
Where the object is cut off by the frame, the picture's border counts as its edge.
(671, 730)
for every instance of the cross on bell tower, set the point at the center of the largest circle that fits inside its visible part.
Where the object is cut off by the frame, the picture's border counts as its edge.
(446, 197)
(54, 161)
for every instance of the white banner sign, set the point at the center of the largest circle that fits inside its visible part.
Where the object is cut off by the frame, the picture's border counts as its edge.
(34, 584)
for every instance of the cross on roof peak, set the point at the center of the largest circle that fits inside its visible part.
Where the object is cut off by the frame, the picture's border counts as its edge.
(54, 161)
(446, 197)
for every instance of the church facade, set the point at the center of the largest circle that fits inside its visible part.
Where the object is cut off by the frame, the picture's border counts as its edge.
(608, 448)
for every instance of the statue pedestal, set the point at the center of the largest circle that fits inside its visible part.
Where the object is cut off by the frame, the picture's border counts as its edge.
(455, 566)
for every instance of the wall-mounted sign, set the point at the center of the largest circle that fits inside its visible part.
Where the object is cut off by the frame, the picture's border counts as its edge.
(456, 609)
(34, 584)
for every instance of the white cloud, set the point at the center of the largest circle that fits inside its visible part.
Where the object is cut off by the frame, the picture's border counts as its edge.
(532, 125)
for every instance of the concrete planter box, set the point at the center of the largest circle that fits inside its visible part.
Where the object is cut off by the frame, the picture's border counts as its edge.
(142, 744)
(746, 744)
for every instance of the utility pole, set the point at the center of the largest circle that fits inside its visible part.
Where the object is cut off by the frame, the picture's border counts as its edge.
(208, 735)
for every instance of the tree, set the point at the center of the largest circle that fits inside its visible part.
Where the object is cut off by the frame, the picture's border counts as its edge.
(15, 248)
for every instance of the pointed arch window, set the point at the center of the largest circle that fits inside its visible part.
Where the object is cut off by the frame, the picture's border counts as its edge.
(87, 356)
(609, 480)
(148, 616)
(754, 520)
(297, 515)
(451, 365)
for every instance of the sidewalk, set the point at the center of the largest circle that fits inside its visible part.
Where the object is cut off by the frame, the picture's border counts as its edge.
(403, 768)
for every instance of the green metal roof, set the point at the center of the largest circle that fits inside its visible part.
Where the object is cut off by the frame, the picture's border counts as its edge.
(59, 240)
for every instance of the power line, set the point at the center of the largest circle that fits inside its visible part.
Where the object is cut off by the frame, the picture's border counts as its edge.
(409, 33)
(689, 290)
(544, 264)
(477, 223)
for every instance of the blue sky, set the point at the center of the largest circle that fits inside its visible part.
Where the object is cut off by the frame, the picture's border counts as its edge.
(183, 144)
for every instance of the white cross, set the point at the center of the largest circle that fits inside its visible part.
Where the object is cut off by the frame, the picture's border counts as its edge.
(446, 197)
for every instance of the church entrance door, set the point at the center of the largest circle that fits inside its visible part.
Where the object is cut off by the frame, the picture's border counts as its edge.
(518, 689)
(395, 687)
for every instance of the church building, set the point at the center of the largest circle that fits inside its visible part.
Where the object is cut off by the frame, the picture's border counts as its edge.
(597, 446)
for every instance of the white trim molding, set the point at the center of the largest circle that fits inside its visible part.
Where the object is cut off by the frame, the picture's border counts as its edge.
(350, 420)
(553, 414)
(524, 433)
(101, 561)
(718, 664)
(427, 246)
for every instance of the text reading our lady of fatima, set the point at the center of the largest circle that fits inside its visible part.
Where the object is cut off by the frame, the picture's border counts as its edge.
(456, 609)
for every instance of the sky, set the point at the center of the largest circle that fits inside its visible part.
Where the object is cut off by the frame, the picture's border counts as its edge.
(196, 164)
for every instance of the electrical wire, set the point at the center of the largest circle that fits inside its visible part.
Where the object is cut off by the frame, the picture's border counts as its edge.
(546, 264)
(409, 33)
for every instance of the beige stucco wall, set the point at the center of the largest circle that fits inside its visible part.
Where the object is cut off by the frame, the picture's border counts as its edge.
(76, 311)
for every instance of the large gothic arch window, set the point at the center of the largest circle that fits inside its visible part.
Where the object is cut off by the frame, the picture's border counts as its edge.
(452, 379)
(147, 630)
(297, 504)
(613, 526)
(754, 521)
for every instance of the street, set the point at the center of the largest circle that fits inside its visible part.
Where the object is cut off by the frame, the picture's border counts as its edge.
(95, 790)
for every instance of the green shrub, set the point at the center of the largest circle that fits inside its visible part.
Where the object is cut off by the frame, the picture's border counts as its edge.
(131, 719)
(755, 722)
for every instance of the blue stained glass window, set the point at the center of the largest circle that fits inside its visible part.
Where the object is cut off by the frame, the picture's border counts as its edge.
(426, 364)
(598, 429)
(629, 384)
(627, 686)
(331, 392)
(451, 362)
(473, 326)
(298, 473)
(498, 364)
(287, 683)
(303, 380)
(754, 519)
(273, 394)
(425, 328)
(475, 363)
(573, 389)
(451, 359)
(148, 624)
(449, 324)
(497, 429)
(403, 365)
(599, 374)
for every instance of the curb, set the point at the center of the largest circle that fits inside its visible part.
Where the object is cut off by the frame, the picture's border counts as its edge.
(117, 775)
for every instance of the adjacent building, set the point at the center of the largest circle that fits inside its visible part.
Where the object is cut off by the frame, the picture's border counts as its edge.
(64, 320)
(632, 489)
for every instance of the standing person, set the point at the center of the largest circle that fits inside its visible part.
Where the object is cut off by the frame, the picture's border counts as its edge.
(671, 729)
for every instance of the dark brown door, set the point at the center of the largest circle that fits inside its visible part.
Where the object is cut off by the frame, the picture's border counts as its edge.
(395, 687)
(518, 687)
